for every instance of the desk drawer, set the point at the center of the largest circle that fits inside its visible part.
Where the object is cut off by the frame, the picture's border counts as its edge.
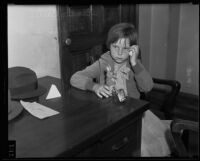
(124, 142)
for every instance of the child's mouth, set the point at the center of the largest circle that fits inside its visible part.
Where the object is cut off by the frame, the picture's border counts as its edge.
(118, 58)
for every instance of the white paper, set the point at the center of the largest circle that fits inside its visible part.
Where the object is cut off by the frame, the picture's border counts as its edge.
(38, 110)
(53, 92)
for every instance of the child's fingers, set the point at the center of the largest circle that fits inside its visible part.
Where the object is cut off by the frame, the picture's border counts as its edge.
(131, 53)
(133, 50)
(98, 94)
(104, 94)
(104, 91)
(134, 47)
(107, 90)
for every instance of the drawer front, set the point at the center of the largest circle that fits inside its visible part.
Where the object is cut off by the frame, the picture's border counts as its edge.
(88, 152)
(125, 142)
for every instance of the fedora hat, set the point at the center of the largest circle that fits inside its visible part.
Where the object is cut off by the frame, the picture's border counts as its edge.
(14, 108)
(23, 83)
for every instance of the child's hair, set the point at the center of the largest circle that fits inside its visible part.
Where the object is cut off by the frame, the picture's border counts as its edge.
(122, 30)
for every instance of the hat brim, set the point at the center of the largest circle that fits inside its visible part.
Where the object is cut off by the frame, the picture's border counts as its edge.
(38, 92)
(16, 109)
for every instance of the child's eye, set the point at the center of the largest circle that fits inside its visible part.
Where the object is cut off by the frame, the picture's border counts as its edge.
(126, 49)
(115, 46)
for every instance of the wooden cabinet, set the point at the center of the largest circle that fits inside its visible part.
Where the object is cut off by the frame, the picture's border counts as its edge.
(83, 31)
(125, 141)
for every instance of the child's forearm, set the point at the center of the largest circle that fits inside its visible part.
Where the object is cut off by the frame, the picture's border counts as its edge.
(137, 68)
(84, 79)
(143, 78)
(82, 82)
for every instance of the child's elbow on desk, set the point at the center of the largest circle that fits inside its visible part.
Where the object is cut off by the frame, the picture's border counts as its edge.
(81, 82)
(75, 81)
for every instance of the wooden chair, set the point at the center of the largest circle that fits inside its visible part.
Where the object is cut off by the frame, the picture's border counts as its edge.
(183, 131)
(163, 99)
(162, 103)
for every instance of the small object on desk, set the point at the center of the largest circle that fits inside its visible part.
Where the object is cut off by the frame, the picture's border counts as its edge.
(38, 110)
(118, 95)
(121, 95)
(53, 92)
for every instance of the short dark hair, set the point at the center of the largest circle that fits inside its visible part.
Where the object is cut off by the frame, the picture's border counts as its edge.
(122, 30)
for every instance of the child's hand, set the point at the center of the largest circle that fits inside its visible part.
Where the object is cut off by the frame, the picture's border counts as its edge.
(102, 90)
(134, 52)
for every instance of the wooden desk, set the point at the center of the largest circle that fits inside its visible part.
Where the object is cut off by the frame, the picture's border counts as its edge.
(85, 126)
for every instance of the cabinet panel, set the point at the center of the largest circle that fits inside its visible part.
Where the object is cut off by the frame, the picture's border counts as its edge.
(97, 18)
(123, 143)
(88, 152)
(79, 19)
(80, 61)
(112, 16)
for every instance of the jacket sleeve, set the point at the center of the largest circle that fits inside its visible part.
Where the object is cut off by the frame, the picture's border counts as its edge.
(84, 79)
(143, 78)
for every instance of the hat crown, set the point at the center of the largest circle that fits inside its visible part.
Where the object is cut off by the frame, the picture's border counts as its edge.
(21, 76)
(23, 83)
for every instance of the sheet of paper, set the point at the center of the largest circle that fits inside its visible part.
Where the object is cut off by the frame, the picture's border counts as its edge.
(53, 92)
(38, 110)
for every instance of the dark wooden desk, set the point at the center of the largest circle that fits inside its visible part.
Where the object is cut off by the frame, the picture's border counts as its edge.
(85, 126)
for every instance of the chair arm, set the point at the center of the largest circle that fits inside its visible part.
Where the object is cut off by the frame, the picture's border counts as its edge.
(175, 88)
(170, 100)
(178, 125)
(172, 83)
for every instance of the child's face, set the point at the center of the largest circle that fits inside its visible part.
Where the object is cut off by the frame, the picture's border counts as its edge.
(120, 50)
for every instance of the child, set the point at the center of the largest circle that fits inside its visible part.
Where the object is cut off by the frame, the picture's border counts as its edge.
(120, 70)
(116, 68)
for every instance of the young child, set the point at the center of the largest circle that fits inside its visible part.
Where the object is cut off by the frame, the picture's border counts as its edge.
(120, 70)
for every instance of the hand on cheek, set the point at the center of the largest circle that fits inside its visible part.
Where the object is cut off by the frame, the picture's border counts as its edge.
(134, 52)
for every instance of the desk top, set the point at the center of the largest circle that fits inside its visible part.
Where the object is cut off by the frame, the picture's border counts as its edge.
(83, 118)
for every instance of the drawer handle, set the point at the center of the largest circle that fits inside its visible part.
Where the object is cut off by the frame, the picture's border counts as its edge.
(117, 147)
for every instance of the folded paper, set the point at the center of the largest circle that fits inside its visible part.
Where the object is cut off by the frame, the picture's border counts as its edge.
(38, 110)
(53, 92)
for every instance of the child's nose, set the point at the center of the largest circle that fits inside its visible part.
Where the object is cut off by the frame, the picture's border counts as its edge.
(120, 51)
